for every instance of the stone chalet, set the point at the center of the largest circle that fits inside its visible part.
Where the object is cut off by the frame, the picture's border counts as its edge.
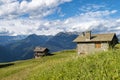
(90, 43)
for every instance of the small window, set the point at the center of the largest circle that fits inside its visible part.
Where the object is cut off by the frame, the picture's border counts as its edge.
(98, 45)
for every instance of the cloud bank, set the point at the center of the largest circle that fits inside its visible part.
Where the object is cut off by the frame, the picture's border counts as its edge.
(27, 17)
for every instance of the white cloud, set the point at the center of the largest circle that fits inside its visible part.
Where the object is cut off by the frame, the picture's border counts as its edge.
(35, 8)
(4, 32)
(98, 14)
(96, 21)
(91, 7)
(7, 1)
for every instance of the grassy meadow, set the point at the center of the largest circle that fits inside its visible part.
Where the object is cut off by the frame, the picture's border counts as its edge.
(65, 65)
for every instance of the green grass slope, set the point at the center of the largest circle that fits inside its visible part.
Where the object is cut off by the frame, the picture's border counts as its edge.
(65, 65)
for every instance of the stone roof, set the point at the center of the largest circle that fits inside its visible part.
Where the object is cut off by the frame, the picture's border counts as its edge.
(95, 38)
(41, 49)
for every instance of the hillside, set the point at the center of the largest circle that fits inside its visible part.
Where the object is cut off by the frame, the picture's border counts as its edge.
(5, 54)
(65, 65)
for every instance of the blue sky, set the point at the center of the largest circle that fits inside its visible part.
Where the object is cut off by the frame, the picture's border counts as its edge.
(48, 17)
(74, 7)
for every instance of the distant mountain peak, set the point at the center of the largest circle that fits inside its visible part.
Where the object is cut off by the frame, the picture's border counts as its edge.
(32, 35)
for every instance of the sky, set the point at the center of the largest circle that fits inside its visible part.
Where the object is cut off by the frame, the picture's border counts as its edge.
(49, 17)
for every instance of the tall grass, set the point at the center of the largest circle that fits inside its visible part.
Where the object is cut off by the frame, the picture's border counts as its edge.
(66, 65)
(102, 66)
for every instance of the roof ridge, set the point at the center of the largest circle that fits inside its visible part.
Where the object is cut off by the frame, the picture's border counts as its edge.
(96, 37)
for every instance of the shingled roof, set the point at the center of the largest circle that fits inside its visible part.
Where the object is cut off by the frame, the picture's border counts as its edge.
(95, 38)
(41, 49)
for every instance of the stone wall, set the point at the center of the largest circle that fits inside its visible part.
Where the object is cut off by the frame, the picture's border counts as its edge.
(90, 47)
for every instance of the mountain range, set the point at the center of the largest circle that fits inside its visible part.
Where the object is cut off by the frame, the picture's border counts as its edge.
(23, 48)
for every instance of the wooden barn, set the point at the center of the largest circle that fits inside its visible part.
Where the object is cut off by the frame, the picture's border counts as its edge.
(40, 51)
(90, 43)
